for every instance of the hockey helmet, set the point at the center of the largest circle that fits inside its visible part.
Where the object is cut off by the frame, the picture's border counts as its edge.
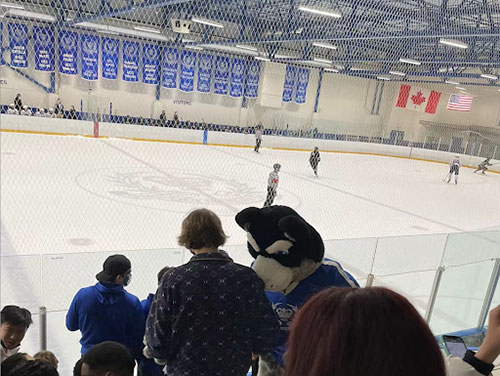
(316, 148)
(25, 107)
(51, 110)
(276, 166)
(11, 105)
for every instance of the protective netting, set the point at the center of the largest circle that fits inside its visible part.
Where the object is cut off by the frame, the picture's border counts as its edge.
(167, 94)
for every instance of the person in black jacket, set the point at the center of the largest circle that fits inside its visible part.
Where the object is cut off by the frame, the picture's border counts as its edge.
(210, 315)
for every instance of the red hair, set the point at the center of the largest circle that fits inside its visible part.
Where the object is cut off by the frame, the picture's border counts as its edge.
(361, 331)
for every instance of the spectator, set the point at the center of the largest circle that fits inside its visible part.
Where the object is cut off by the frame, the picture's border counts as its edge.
(106, 312)
(209, 315)
(15, 361)
(48, 357)
(59, 109)
(128, 119)
(50, 114)
(33, 368)
(163, 118)
(40, 112)
(26, 111)
(18, 103)
(12, 110)
(108, 359)
(373, 331)
(176, 119)
(77, 369)
(72, 113)
(147, 367)
(15, 321)
(140, 121)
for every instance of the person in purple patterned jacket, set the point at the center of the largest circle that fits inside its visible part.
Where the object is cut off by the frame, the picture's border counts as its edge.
(210, 315)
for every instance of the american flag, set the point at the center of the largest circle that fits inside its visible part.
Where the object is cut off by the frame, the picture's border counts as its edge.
(460, 103)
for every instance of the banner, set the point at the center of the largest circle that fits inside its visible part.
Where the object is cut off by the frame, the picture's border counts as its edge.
(170, 67)
(205, 63)
(221, 75)
(188, 61)
(237, 77)
(150, 62)
(418, 99)
(90, 56)
(68, 43)
(302, 82)
(110, 58)
(289, 83)
(44, 48)
(130, 61)
(252, 82)
(18, 43)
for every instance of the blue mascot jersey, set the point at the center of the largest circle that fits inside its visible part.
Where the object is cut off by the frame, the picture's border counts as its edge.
(329, 274)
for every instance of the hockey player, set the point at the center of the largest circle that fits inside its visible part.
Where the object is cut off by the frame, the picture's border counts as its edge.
(272, 185)
(50, 114)
(454, 169)
(26, 111)
(12, 110)
(40, 112)
(483, 166)
(259, 130)
(314, 160)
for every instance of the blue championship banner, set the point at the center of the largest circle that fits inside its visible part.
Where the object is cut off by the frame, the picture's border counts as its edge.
(237, 77)
(170, 68)
(221, 75)
(302, 82)
(150, 62)
(18, 43)
(68, 47)
(188, 62)
(110, 58)
(289, 83)
(252, 81)
(44, 48)
(205, 64)
(89, 45)
(130, 61)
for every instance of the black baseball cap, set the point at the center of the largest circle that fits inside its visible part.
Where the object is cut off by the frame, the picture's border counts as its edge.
(114, 265)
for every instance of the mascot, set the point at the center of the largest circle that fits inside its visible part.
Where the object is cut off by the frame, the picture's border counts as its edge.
(288, 255)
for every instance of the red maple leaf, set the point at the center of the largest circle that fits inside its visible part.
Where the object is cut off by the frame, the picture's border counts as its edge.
(418, 99)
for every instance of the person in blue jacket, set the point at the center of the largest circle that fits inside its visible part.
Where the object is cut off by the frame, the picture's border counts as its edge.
(148, 367)
(106, 311)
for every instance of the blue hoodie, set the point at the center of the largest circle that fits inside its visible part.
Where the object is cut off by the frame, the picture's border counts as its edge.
(106, 312)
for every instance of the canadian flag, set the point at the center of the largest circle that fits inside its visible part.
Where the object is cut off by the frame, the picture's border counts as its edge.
(418, 99)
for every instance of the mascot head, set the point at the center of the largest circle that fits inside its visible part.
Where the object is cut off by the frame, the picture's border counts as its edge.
(286, 248)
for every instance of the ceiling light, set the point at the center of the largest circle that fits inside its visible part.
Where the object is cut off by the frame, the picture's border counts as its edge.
(397, 73)
(206, 22)
(409, 61)
(332, 70)
(194, 47)
(453, 43)
(460, 88)
(277, 56)
(249, 48)
(490, 76)
(34, 15)
(452, 82)
(122, 31)
(147, 29)
(13, 6)
(320, 12)
(107, 32)
(324, 61)
(262, 58)
(383, 78)
(325, 45)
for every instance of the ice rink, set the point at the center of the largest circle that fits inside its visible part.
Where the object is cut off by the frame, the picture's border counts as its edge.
(71, 197)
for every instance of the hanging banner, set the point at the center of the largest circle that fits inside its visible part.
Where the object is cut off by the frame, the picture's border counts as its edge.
(237, 77)
(205, 63)
(221, 75)
(150, 62)
(90, 56)
(289, 83)
(110, 58)
(252, 82)
(44, 48)
(188, 61)
(68, 43)
(130, 61)
(18, 43)
(302, 82)
(170, 67)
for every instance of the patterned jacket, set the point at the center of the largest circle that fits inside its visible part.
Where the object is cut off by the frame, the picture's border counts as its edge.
(208, 317)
